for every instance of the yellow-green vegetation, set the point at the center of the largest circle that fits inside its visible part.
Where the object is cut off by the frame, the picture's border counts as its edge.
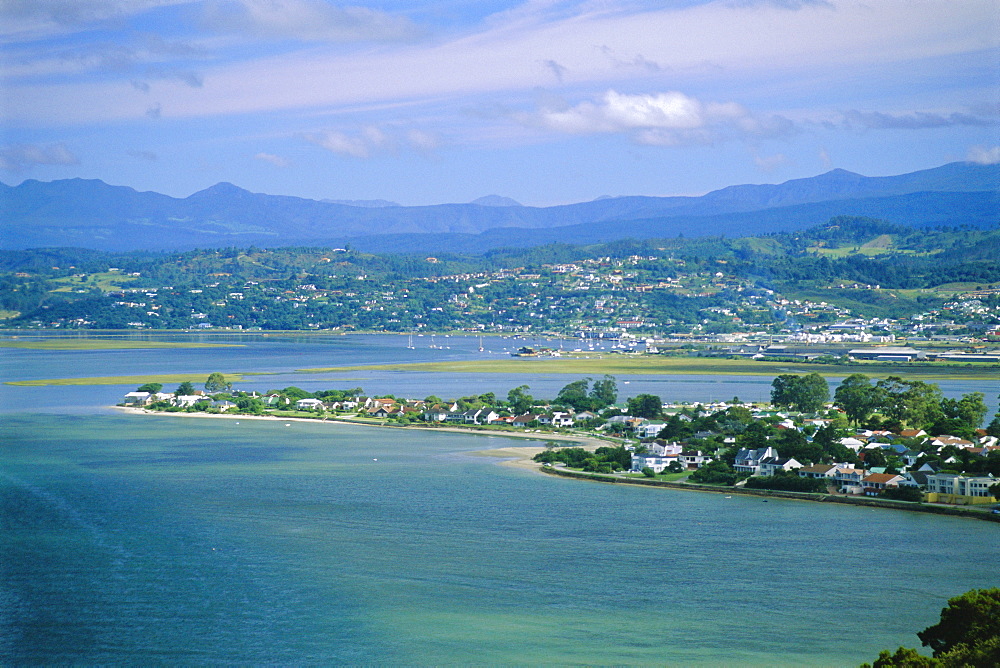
(164, 379)
(6, 315)
(107, 344)
(621, 365)
(883, 244)
(105, 281)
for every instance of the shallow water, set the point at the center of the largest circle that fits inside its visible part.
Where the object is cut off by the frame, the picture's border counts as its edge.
(156, 539)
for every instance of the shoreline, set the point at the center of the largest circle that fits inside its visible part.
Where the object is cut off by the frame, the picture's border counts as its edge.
(520, 457)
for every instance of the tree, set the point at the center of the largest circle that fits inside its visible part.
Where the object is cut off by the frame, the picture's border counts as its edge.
(217, 383)
(857, 397)
(716, 472)
(970, 619)
(184, 389)
(911, 403)
(519, 399)
(968, 636)
(806, 393)
(152, 388)
(645, 406)
(961, 417)
(575, 395)
(604, 392)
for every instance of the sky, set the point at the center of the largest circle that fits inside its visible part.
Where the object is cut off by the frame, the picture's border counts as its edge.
(544, 101)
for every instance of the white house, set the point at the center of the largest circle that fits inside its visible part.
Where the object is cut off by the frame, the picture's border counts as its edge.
(655, 462)
(308, 404)
(186, 400)
(136, 399)
(771, 465)
(748, 461)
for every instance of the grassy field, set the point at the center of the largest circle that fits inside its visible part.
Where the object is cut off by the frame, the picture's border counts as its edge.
(164, 379)
(107, 344)
(619, 365)
(105, 281)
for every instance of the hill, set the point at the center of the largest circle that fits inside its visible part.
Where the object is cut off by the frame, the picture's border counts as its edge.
(92, 214)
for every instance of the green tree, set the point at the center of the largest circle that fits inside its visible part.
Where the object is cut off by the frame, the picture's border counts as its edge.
(970, 619)
(217, 383)
(967, 636)
(152, 388)
(604, 392)
(184, 389)
(961, 417)
(715, 472)
(519, 399)
(645, 406)
(803, 393)
(908, 403)
(857, 397)
(575, 395)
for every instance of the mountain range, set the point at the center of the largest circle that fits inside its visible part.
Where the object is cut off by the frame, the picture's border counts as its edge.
(92, 214)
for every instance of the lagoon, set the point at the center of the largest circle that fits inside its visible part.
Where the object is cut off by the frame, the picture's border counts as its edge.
(155, 539)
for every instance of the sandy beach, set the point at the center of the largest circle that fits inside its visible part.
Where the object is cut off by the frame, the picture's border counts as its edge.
(515, 456)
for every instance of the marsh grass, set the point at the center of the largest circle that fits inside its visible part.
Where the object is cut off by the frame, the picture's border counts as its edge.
(618, 365)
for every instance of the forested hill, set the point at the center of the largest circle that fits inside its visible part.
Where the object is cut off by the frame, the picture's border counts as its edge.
(848, 267)
(92, 214)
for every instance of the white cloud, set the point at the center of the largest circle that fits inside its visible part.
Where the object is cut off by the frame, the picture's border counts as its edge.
(984, 155)
(617, 112)
(372, 140)
(30, 19)
(339, 143)
(423, 142)
(19, 157)
(657, 119)
(275, 160)
(308, 20)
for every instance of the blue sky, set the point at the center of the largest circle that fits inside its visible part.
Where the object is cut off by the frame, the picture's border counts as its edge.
(545, 101)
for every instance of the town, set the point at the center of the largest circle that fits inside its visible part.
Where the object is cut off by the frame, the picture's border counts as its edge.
(889, 438)
(852, 282)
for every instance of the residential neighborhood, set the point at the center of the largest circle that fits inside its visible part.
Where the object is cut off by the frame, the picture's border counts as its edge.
(735, 444)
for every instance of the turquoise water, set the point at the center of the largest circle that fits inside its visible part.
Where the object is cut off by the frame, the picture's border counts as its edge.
(156, 539)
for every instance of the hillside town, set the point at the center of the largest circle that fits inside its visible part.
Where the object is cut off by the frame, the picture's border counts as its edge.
(891, 438)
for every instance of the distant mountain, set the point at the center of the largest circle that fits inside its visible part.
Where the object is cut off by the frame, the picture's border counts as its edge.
(366, 203)
(496, 200)
(93, 214)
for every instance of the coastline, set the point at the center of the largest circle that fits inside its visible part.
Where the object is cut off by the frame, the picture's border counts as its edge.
(520, 457)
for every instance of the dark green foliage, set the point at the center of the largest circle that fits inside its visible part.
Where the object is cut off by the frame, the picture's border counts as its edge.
(969, 619)
(715, 472)
(152, 388)
(602, 460)
(217, 383)
(787, 481)
(519, 400)
(184, 389)
(645, 406)
(905, 493)
(802, 393)
(857, 397)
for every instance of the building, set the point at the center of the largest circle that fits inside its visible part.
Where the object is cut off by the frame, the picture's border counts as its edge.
(958, 489)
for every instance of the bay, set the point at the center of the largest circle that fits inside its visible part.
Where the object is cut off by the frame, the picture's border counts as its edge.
(158, 539)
